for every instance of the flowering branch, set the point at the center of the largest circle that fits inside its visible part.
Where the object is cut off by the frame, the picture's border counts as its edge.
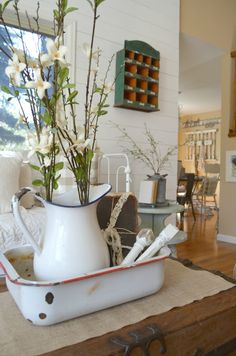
(151, 157)
(52, 98)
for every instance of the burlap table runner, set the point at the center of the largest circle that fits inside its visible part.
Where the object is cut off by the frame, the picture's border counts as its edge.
(182, 286)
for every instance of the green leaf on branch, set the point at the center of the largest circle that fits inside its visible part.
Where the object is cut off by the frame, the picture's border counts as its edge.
(79, 173)
(89, 155)
(69, 86)
(37, 182)
(59, 166)
(102, 112)
(64, 4)
(47, 118)
(55, 14)
(53, 101)
(63, 74)
(97, 90)
(3, 6)
(70, 9)
(55, 184)
(73, 103)
(6, 90)
(36, 168)
(98, 2)
(72, 96)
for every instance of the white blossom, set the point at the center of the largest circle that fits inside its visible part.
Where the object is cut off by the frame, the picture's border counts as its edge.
(14, 68)
(31, 62)
(79, 143)
(108, 88)
(45, 60)
(87, 50)
(43, 145)
(56, 52)
(39, 84)
(94, 110)
(20, 54)
(47, 161)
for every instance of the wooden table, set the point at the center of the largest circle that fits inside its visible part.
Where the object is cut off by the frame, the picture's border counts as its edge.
(205, 327)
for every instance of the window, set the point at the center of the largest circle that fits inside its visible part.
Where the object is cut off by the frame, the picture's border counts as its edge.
(12, 132)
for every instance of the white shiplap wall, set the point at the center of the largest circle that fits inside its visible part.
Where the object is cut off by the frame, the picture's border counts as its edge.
(155, 22)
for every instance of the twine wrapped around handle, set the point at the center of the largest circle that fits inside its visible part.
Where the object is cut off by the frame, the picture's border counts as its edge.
(111, 234)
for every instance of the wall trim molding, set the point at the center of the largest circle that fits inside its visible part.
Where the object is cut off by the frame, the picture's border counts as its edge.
(226, 238)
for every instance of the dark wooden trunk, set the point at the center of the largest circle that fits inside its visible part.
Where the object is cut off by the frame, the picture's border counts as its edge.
(205, 327)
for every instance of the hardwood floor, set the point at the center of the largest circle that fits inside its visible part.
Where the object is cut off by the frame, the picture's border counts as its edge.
(202, 248)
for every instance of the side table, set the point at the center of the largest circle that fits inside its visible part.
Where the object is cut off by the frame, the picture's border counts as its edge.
(154, 218)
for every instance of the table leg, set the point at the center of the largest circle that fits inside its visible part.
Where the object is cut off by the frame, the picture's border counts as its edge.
(154, 222)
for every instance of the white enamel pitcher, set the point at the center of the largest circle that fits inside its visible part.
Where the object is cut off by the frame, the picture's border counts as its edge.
(73, 243)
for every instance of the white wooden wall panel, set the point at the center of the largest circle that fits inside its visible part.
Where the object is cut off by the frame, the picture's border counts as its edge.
(155, 22)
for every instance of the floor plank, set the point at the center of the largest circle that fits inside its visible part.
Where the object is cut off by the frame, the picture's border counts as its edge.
(202, 248)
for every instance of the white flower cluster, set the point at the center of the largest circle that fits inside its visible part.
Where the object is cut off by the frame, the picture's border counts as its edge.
(44, 146)
(50, 113)
(16, 65)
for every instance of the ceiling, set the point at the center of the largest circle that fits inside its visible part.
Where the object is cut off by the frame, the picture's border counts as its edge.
(200, 76)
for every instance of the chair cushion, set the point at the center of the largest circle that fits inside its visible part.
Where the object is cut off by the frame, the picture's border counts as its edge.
(181, 189)
(9, 178)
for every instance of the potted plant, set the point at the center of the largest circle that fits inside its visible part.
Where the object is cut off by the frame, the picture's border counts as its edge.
(153, 159)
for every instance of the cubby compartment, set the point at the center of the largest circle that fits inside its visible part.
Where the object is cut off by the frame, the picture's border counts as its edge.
(142, 98)
(131, 68)
(153, 87)
(130, 95)
(131, 82)
(147, 60)
(142, 84)
(154, 74)
(137, 73)
(143, 71)
(155, 62)
(138, 57)
(129, 54)
(152, 100)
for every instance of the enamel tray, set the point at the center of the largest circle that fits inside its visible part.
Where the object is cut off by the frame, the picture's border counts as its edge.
(50, 302)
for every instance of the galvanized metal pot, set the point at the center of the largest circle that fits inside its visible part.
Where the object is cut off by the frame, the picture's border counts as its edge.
(73, 242)
(161, 194)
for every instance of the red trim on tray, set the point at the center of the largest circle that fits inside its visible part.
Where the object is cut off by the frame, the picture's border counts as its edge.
(24, 282)
(3, 268)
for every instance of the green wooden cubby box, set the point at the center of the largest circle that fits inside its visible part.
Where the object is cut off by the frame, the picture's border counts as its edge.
(137, 77)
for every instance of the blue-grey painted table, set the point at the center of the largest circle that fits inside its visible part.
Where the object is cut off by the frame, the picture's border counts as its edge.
(154, 218)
